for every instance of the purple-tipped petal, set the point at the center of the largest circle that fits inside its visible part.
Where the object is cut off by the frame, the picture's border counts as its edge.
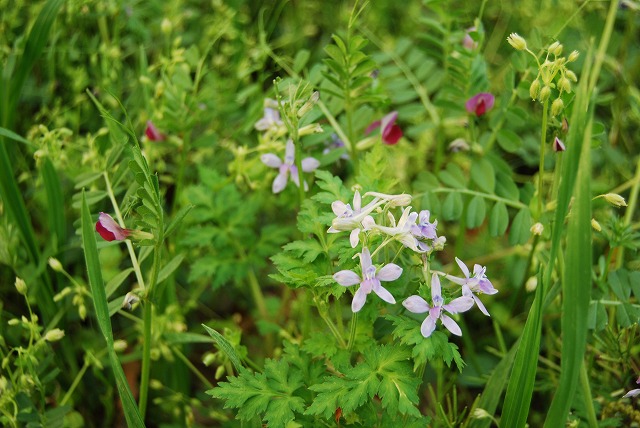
(365, 259)
(436, 289)
(416, 304)
(383, 293)
(271, 160)
(428, 326)
(451, 325)
(359, 299)
(346, 278)
(310, 164)
(389, 272)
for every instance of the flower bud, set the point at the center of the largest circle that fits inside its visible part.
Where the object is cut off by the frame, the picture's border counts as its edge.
(54, 335)
(219, 372)
(166, 26)
(438, 243)
(573, 56)
(129, 300)
(595, 225)
(82, 311)
(615, 199)
(557, 106)
(306, 107)
(208, 359)
(517, 41)
(545, 93)
(531, 284)
(571, 75)
(155, 384)
(564, 84)
(534, 89)
(479, 413)
(119, 345)
(537, 229)
(558, 145)
(367, 142)
(21, 286)
(313, 128)
(55, 264)
(555, 48)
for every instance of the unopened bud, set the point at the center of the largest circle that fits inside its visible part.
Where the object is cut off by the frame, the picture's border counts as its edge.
(517, 41)
(438, 243)
(531, 284)
(558, 145)
(537, 229)
(208, 359)
(313, 128)
(82, 311)
(219, 372)
(571, 75)
(129, 300)
(573, 56)
(557, 106)
(615, 199)
(534, 89)
(306, 107)
(545, 92)
(54, 335)
(55, 264)
(595, 225)
(21, 286)
(166, 26)
(479, 413)
(119, 345)
(155, 384)
(564, 84)
(555, 48)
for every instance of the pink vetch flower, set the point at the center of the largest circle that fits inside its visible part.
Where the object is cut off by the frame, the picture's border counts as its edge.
(370, 280)
(467, 42)
(478, 283)
(418, 305)
(110, 230)
(480, 103)
(152, 133)
(391, 132)
(558, 145)
(288, 166)
(633, 392)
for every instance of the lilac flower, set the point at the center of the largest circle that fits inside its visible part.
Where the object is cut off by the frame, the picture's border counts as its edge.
(280, 182)
(633, 392)
(558, 145)
(348, 218)
(271, 118)
(402, 231)
(424, 230)
(418, 305)
(391, 132)
(480, 104)
(370, 280)
(478, 283)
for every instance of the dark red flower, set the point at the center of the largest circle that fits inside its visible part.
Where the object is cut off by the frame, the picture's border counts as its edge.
(152, 133)
(480, 104)
(110, 230)
(391, 132)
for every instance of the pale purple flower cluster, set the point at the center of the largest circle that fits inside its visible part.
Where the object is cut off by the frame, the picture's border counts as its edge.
(417, 232)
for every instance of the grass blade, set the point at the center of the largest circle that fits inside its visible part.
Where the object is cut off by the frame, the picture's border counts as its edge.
(102, 314)
(55, 201)
(225, 346)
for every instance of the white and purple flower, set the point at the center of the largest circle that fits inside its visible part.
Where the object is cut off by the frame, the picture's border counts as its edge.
(418, 305)
(370, 280)
(287, 166)
(478, 283)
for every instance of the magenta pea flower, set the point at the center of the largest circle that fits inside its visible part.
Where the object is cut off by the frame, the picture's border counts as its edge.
(558, 145)
(480, 104)
(391, 132)
(287, 166)
(110, 230)
(478, 283)
(153, 133)
(370, 280)
(418, 305)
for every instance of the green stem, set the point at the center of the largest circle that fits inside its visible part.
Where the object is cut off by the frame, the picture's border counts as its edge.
(508, 202)
(191, 367)
(353, 330)
(631, 209)
(75, 383)
(332, 328)
(116, 210)
(186, 142)
(604, 43)
(586, 394)
(543, 142)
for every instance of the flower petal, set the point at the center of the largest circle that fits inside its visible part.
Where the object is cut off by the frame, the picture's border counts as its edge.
(359, 300)
(271, 160)
(310, 164)
(428, 326)
(357, 202)
(354, 237)
(461, 304)
(383, 293)
(109, 229)
(365, 259)
(631, 393)
(371, 127)
(389, 272)
(289, 152)
(346, 278)
(451, 325)
(416, 304)
(392, 136)
(152, 133)
(387, 122)
(463, 267)
(436, 288)
(480, 305)
(280, 182)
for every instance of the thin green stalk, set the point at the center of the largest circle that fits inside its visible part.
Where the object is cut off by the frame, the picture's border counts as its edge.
(353, 330)
(586, 394)
(75, 383)
(186, 142)
(543, 142)
(604, 44)
(508, 202)
(191, 367)
(332, 327)
(631, 209)
(116, 210)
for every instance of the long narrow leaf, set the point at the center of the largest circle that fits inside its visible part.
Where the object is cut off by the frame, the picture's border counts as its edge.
(102, 314)
(55, 201)
(225, 346)
(576, 290)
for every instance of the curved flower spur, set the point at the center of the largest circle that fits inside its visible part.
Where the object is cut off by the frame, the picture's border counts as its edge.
(370, 280)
